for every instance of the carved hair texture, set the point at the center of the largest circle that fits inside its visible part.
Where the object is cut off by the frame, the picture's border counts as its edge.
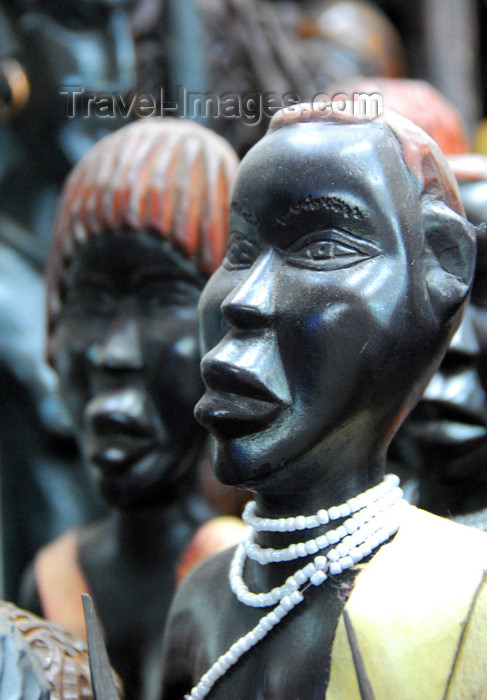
(168, 176)
(61, 657)
(421, 156)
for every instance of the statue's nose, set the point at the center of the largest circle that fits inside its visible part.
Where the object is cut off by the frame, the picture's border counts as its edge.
(121, 349)
(251, 304)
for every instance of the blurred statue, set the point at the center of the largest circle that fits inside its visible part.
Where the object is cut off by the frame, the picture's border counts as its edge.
(348, 266)
(443, 443)
(45, 47)
(260, 54)
(141, 224)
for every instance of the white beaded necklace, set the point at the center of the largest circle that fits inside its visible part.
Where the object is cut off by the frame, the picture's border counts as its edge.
(371, 518)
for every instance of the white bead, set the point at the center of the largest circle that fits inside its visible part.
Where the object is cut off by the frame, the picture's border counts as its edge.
(322, 541)
(280, 611)
(350, 525)
(308, 570)
(213, 674)
(342, 549)
(259, 632)
(301, 550)
(205, 683)
(355, 555)
(334, 513)
(300, 577)
(286, 603)
(300, 522)
(335, 568)
(318, 578)
(346, 562)
(323, 517)
(225, 662)
(244, 643)
(333, 555)
(296, 598)
(291, 583)
(311, 547)
(332, 537)
(354, 504)
(321, 562)
(341, 532)
(273, 618)
(344, 510)
(220, 667)
(365, 549)
(289, 524)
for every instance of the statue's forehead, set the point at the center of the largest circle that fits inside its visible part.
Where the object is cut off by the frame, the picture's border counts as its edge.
(352, 173)
(319, 153)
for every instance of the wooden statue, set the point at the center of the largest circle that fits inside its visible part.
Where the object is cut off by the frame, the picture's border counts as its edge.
(141, 224)
(40, 660)
(348, 265)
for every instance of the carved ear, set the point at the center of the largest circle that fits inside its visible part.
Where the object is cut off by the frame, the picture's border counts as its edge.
(452, 244)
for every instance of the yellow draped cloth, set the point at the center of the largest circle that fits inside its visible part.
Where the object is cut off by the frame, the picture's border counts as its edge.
(415, 625)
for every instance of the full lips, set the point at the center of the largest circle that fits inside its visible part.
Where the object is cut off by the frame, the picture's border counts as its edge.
(116, 453)
(119, 430)
(228, 415)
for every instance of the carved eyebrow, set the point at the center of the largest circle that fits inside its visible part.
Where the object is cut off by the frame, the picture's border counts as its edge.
(331, 203)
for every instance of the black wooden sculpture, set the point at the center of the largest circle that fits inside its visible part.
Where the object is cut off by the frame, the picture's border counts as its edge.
(347, 268)
(46, 48)
(141, 224)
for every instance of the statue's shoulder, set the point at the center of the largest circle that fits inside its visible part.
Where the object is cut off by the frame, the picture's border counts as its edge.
(421, 531)
(420, 603)
(208, 580)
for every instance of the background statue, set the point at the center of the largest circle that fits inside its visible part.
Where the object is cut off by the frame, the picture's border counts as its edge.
(443, 443)
(347, 269)
(141, 224)
(249, 56)
(43, 47)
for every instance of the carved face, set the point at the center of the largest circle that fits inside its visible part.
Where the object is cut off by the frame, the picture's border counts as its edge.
(317, 327)
(444, 440)
(126, 351)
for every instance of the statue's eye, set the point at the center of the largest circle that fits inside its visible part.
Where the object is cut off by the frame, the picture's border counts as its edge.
(241, 253)
(157, 296)
(330, 250)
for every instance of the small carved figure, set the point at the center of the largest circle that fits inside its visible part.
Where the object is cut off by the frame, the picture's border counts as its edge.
(141, 224)
(347, 270)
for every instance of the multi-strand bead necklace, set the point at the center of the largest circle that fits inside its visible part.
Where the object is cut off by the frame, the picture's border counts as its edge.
(367, 521)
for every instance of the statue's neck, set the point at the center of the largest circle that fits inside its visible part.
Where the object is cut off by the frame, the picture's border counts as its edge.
(314, 489)
(161, 530)
(320, 479)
